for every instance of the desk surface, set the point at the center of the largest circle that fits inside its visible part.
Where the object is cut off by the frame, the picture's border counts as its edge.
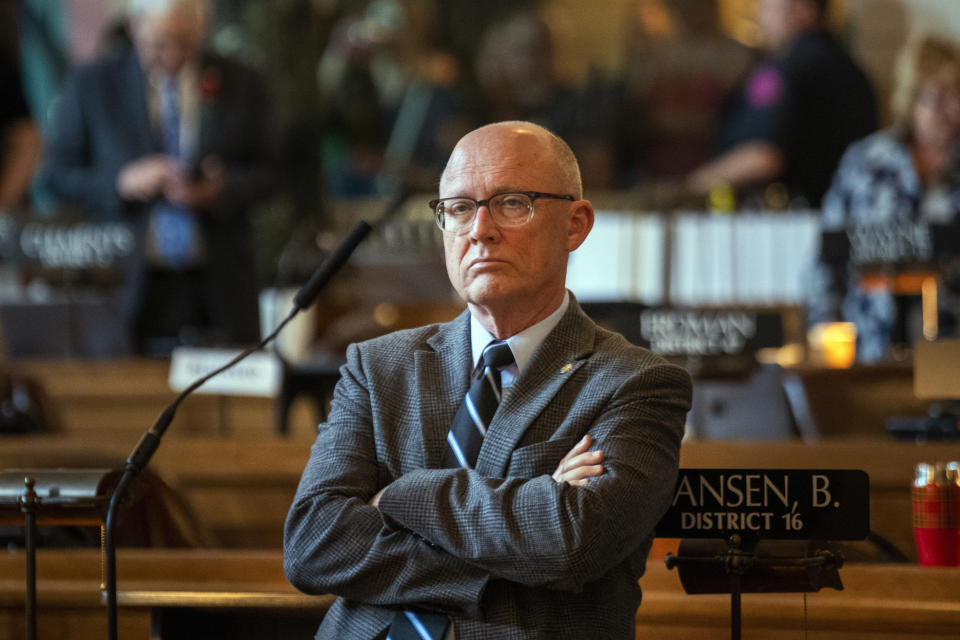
(882, 601)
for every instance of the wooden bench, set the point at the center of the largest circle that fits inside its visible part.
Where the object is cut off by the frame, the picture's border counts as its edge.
(213, 590)
(122, 398)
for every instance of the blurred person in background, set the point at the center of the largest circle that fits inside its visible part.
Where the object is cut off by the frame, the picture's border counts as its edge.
(437, 109)
(355, 116)
(680, 70)
(19, 137)
(516, 74)
(385, 84)
(796, 112)
(175, 140)
(905, 174)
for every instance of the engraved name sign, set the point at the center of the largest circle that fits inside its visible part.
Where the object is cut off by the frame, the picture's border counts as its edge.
(890, 243)
(777, 504)
(80, 246)
(708, 331)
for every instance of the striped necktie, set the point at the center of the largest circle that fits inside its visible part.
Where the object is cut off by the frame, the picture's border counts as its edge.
(170, 115)
(470, 424)
(174, 229)
(463, 446)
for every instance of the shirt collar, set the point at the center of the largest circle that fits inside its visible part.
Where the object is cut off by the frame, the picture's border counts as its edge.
(522, 344)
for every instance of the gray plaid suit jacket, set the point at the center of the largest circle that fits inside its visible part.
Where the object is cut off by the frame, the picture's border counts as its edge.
(503, 549)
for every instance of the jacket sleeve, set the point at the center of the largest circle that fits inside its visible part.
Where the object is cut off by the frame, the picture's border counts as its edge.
(249, 167)
(537, 532)
(334, 541)
(68, 169)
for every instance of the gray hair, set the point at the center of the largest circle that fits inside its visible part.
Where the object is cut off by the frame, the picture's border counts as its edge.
(140, 7)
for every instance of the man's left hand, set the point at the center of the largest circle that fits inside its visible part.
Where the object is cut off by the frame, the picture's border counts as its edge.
(576, 468)
(375, 500)
(197, 192)
(579, 465)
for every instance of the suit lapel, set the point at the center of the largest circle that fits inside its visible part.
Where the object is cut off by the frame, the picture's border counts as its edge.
(209, 102)
(564, 351)
(442, 373)
(134, 109)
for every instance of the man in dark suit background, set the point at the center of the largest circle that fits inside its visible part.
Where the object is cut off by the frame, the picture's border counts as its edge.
(793, 116)
(538, 535)
(174, 140)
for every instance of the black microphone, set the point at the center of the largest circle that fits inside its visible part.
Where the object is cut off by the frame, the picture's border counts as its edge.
(318, 280)
(331, 265)
(150, 441)
(148, 444)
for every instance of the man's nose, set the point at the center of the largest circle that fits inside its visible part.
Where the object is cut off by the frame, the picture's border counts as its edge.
(483, 225)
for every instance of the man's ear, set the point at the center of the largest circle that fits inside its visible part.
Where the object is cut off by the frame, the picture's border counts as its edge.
(581, 221)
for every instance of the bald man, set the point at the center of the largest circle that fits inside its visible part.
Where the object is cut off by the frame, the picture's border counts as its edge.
(546, 532)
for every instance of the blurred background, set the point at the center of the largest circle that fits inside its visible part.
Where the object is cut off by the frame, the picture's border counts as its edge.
(794, 279)
(349, 109)
(705, 248)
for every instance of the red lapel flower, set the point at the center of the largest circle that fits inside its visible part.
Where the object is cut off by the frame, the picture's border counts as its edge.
(209, 84)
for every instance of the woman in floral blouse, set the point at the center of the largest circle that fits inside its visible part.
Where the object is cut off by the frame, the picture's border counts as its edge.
(905, 174)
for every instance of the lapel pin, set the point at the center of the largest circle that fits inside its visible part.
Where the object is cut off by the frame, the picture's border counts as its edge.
(566, 368)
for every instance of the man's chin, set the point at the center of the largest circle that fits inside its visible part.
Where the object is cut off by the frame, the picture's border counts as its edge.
(486, 292)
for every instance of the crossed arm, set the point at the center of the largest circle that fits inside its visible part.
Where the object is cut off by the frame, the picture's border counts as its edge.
(576, 468)
(357, 557)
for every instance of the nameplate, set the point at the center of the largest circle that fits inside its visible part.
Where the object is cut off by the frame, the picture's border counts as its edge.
(769, 504)
(690, 331)
(890, 243)
(79, 246)
(895, 245)
(258, 375)
(699, 332)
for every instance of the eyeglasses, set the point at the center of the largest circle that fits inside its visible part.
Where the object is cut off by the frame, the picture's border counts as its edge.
(933, 95)
(455, 215)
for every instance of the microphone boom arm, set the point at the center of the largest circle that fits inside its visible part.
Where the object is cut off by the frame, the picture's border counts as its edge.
(148, 444)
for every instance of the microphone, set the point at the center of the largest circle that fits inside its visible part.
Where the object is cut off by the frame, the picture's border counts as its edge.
(151, 439)
(308, 292)
(148, 444)
(331, 265)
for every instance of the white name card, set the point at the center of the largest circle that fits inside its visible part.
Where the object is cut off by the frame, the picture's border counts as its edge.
(258, 375)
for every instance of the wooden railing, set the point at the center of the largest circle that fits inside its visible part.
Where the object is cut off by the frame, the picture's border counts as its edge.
(241, 489)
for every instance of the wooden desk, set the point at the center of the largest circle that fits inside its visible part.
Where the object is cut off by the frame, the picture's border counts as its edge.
(241, 489)
(158, 588)
(122, 398)
(855, 402)
(878, 602)
(174, 588)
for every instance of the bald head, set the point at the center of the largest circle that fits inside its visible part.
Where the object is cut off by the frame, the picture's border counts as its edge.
(168, 33)
(526, 144)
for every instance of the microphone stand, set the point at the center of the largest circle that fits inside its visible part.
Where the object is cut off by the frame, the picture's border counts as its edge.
(140, 456)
